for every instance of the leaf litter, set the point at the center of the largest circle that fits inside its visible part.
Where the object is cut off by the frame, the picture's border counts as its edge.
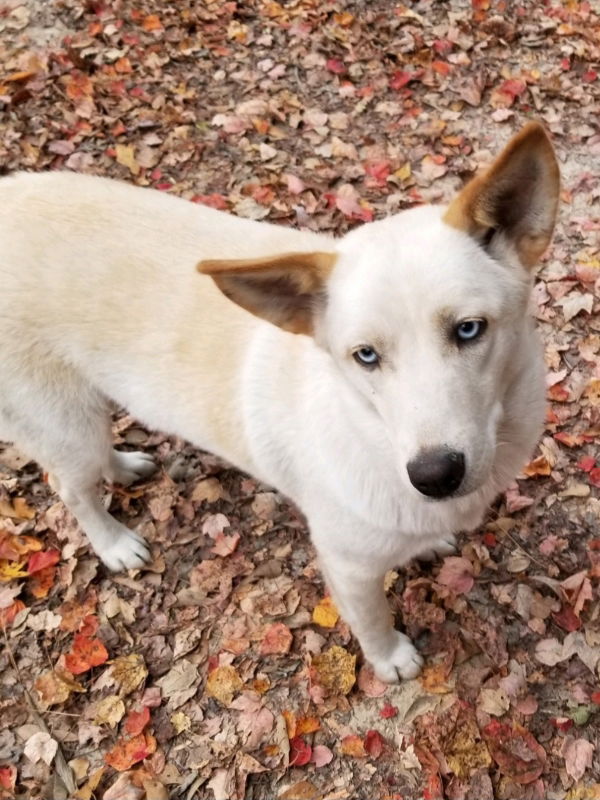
(225, 670)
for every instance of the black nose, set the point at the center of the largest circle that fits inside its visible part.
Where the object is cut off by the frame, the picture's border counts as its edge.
(437, 472)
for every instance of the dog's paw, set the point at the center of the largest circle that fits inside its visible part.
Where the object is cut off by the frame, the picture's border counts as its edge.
(443, 547)
(403, 663)
(129, 467)
(128, 551)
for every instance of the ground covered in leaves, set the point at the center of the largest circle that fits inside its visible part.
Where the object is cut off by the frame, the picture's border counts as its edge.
(222, 671)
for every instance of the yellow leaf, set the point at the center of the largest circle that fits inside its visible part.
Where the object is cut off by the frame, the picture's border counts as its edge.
(126, 157)
(87, 792)
(325, 613)
(127, 672)
(223, 683)
(180, 721)
(335, 670)
(404, 172)
(109, 711)
(9, 570)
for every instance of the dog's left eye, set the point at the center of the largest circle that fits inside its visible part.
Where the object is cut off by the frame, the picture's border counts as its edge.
(469, 329)
(367, 357)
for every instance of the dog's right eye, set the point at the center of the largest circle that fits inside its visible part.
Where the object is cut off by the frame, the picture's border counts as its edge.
(367, 357)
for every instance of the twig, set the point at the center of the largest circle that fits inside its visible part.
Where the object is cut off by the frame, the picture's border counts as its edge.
(62, 768)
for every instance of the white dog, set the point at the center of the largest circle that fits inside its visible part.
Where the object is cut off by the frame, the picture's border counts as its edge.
(389, 382)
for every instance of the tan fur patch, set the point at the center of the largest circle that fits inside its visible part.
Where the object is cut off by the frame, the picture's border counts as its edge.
(526, 167)
(283, 289)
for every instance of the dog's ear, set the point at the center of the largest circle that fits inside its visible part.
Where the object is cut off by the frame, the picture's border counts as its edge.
(285, 289)
(516, 197)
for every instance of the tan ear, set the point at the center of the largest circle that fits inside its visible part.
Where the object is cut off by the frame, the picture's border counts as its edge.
(284, 289)
(516, 197)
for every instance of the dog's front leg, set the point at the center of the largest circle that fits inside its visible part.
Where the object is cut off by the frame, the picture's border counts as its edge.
(361, 601)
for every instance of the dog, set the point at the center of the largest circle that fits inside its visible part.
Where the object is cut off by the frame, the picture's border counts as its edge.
(389, 382)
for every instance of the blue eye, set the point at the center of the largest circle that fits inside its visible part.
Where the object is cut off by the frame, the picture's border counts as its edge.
(366, 357)
(469, 330)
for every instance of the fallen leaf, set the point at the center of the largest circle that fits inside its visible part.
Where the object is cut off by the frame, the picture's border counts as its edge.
(373, 743)
(353, 746)
(300, 752)
(128, 752)
(457, 574)
(276, 639)
(85, 653)
(321, 755)
(325, 613)
(109, 711)
(516, 752)
(55, 686)
(41, 747)
(335, 670)
(578, 755)
(222, 683)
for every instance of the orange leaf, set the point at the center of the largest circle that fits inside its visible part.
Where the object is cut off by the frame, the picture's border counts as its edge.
(13, 547)
(85, 654)
(74, 611)
(307, 725)
(136, 721)
(123, 65)
(128, 752)
(7, 615)
(353, 746)
(40, 584)
(441, 67)
(89, 626)
(41, 560)
(152, 23)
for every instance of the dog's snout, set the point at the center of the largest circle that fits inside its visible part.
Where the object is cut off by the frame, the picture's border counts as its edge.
(437, 472)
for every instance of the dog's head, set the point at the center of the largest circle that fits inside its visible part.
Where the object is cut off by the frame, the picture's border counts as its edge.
(423, 312)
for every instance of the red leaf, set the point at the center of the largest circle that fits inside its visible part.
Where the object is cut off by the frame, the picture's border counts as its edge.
(513, 87)
(378, 170)
(85, 654)
(567, 619)
(41, 560)
(336, 66)
(587, 463)
(595, 698)
(589, 76)
(136, 721)
(374, 743)
(212, 200)
(595, 477)
(401, 78)
(442, 46)
(300, 752)
(518, 755)
(40, 584)
(8, 778)
(433, 788)
(388, 711)
(7, 615)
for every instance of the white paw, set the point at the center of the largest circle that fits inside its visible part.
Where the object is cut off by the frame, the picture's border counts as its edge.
(128, 551)
(403, 663)
(129, 467)
(443, 547)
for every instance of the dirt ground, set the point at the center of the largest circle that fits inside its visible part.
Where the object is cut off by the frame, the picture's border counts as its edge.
(221, 671)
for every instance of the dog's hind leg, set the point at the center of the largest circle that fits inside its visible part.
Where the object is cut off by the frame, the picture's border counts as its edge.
(60, 420)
